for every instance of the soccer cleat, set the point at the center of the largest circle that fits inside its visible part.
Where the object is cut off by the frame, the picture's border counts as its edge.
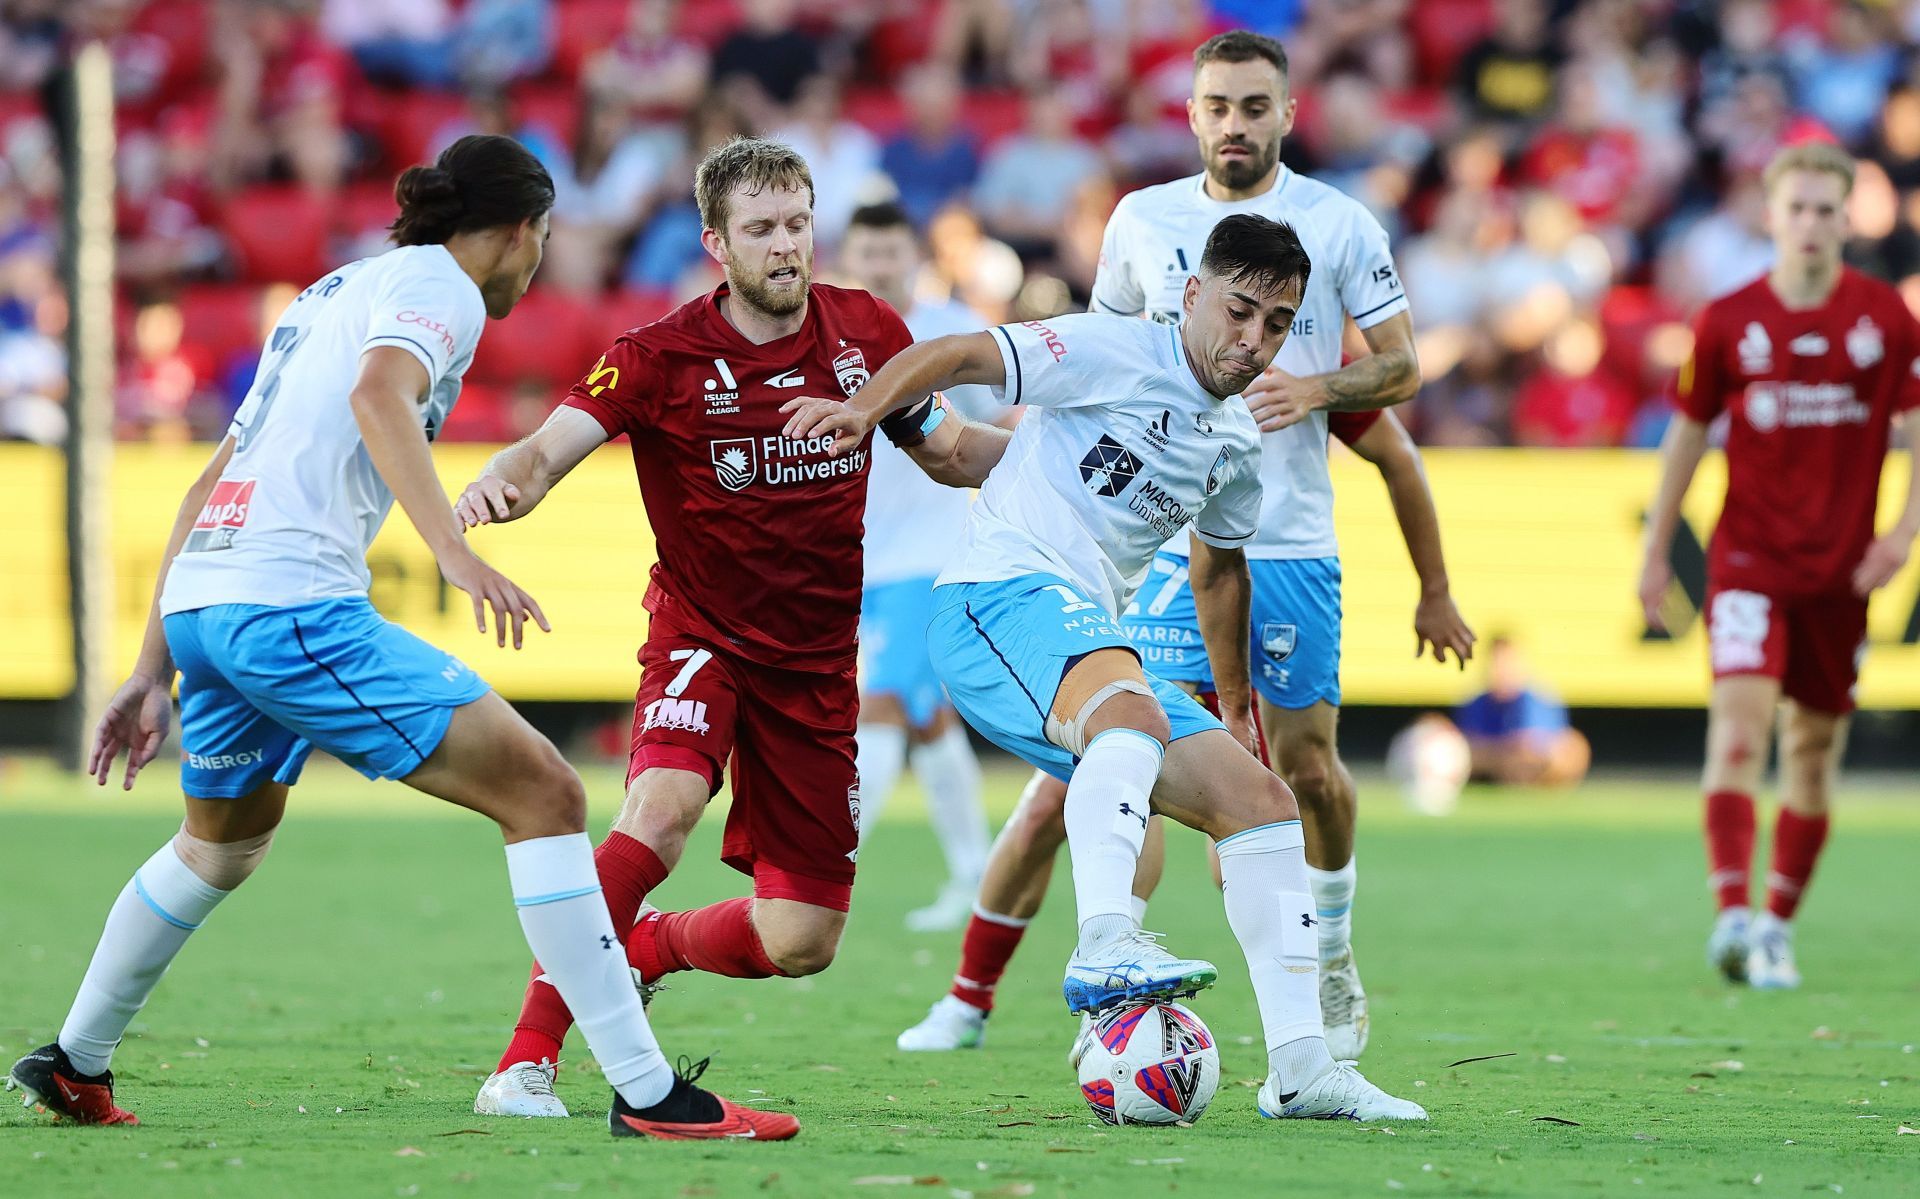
(691, 1114)
(1343, 1008)
(48, 1081)
(524, 1089)
(950, 1024)
(948, 911)
(1341, 1093)
(1081, 1043)
(1131, 966)
(1770, 954)
(1727, 947)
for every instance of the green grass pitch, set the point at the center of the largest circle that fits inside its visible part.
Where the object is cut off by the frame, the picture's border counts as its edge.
(326, 1032)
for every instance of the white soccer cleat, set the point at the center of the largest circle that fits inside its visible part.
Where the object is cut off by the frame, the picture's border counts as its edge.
(948, 911)
(1770, 954)
(1727, 947)
(523, 1089)
(1081, 1043)
(1343, 1008)
(1342, 1093)
(950, 1024)
(1131, 966)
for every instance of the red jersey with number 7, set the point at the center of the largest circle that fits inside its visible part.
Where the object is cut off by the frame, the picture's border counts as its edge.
(1810, 397)
(757, 535)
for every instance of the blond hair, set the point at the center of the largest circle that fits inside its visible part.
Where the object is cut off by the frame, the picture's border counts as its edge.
(1810, 156)
(755, 163)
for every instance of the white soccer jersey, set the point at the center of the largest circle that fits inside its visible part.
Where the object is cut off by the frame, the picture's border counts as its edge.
(1122, 449)
(1153, 243)
(292, 516)
(914, 523)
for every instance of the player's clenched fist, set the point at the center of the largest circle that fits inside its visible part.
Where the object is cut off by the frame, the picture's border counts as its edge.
(810, 418)
(487, 499)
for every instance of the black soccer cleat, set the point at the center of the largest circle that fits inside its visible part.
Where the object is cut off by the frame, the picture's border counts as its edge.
(50, 1083)
(689, 1113)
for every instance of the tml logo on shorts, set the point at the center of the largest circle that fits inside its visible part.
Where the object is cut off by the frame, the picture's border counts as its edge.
(223, 515)
(686, 715)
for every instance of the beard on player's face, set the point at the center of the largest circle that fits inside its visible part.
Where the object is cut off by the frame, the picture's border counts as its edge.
(754, 284)
(1237, 172)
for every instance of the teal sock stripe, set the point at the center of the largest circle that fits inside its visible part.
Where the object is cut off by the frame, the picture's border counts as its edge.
(533, 901)
(1342, 910)
(140, 889)
(1159, 750)
(1245, 832)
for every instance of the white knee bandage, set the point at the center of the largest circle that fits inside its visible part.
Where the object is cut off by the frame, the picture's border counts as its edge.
(1071, 735)
(221, 864)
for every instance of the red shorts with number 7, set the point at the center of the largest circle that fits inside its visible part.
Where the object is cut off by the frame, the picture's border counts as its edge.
(795, 820)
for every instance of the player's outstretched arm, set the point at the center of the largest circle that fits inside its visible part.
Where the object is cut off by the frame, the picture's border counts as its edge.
(1436, 620)
(1223, 602)
(1388, 375)
(517, 478)
(137, 716)
(961, 452)
(907, 379)
(1889, 551)
(385, 402)
(1680, 453)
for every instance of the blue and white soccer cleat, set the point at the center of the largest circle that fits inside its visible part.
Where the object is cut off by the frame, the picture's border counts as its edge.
(1727, 947)
(1341, 1093)
(1770, 965)
(1131, 966)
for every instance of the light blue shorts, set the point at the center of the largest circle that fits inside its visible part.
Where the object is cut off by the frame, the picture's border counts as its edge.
(893, 647)
(1296, 631)
(261, 688)
(1002, 648)
(1163, 627)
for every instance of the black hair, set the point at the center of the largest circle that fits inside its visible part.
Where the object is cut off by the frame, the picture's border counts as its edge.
(887, 214)
(481, 181)
(1241, 45)
(1259, 253)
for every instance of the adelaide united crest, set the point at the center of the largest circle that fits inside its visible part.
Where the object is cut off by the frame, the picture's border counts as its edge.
(850, 367)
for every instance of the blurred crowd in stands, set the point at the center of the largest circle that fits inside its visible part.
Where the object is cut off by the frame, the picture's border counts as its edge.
(1566, 181)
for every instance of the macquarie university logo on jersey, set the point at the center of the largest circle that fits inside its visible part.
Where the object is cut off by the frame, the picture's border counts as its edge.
(774, 461)
(1109, 467)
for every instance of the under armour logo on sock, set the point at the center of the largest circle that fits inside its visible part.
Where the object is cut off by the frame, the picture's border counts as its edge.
(1127, 810)
(1307, 920)
(609, 942)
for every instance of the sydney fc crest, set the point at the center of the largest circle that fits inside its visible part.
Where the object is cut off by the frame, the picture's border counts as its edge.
(1216, 473)
(850, 367)
(1277, 640)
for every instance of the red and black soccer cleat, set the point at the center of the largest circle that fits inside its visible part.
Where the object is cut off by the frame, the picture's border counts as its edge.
(50, 1082)
(691, 1114)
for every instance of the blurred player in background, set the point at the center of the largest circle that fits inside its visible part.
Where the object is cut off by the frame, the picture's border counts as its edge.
(754, 600)
(1813, 365)
(913, 524)
(1133, 433)
(262, 611)
(1240, 110)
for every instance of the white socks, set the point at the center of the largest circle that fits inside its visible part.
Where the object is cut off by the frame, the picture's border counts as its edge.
(564, 916)
(147, 925)
(1333, 906)
(1106, 813)
(1264, 871)
(879, 754)
(950, 774)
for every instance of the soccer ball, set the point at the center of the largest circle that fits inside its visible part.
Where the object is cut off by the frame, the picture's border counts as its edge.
(1149, 1063)
(1429, 759)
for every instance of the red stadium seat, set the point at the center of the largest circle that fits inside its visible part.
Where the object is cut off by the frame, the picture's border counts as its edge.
(879, 109)
(618, 312)
(546, 338)
(993, 115)
(221, 319)
(480, 415)
(410, 121)
(708, 21)
(553, 108)
(365, 208)
(582, 28)
(1443, 31)
(278, 234)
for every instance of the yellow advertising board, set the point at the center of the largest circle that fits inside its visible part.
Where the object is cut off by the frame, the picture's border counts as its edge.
(1541, 545)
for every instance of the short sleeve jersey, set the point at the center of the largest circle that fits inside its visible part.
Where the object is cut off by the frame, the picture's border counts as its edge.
(914, 523)
(1810, 398)
(1122, 450)
(290, 519)
(1153, 243)
(757, 535)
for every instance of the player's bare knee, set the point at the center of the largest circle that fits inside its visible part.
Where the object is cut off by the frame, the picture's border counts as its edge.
(1312, 775)
(800, 952)
(1261, 798)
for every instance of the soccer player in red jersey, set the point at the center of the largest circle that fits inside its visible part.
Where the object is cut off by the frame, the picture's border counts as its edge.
(1813, 365)
(754, 600)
